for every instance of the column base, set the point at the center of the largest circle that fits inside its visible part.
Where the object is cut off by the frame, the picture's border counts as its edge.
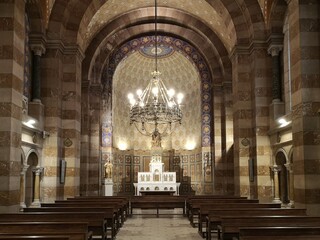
(276, 200)
(22, 206)
(108, 187)
(291, 204)
(35, 204)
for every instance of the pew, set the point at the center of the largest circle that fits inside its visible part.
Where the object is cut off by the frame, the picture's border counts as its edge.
(213, 219)
(158, 202)
(230, 225)
(190, 199)
(75, 230)
(279, 233)
(109, 214)
(124, 200)
(23, 236)
(117, 207)
(194, 206)
(97, 221)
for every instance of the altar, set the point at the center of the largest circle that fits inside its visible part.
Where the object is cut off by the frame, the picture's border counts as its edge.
(156, 179)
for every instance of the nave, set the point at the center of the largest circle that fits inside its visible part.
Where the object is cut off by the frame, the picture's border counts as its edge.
(166, 227)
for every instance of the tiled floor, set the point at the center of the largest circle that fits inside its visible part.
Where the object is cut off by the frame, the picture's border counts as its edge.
(166, 227)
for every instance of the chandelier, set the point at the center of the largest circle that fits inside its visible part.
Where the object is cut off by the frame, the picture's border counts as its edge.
(156, 109)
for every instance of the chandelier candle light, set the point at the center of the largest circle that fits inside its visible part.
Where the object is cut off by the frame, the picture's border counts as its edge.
(155, 109)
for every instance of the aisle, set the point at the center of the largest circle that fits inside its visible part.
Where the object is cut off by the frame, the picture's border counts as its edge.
(166, 227)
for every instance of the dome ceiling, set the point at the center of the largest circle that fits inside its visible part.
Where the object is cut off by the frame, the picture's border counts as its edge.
(177, 72)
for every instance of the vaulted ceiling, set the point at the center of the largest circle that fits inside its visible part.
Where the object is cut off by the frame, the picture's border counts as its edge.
(100, 27)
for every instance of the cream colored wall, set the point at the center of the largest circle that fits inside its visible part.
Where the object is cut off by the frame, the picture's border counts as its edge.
(178, 73)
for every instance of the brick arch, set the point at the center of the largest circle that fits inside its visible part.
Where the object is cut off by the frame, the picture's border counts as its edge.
(249, 25)
(65, 19)
(192, 54)
(36, 16)
(116, 30)
(276, 19)
(221, 71)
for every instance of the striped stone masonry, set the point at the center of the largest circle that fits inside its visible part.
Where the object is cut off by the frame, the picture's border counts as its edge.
(305, 73)
(12, 24)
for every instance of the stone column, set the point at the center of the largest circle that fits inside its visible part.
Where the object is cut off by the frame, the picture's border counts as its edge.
(11, 78)
(303, 19)
(37, 50)
(23, 186)
(36, 187)
(274, 51)
(276, 169)
(289, 167)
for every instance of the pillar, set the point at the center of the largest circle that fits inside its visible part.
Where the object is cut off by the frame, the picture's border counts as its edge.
(23, 186)
(276, 169)
(12, 25)
(274, 51)
(36, 187)
(37, 50)
(242, 120)
(289, 167)
(277, 108)
(303, 19)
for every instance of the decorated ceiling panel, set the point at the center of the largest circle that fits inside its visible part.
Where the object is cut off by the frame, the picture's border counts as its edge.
(179, 73)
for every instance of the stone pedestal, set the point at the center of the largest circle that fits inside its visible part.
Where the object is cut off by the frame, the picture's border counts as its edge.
(108, 187)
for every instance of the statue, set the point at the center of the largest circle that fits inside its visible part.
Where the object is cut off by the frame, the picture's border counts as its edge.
(156, 139)
(108, 169)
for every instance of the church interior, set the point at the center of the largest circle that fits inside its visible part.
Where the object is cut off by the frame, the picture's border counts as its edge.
(249, 72)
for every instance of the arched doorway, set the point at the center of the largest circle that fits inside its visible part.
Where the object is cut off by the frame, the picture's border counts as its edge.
(281, 160)
(32, 161)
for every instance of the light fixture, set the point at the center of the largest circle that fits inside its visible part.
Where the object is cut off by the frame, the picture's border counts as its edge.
(283, 122)
(156, 109)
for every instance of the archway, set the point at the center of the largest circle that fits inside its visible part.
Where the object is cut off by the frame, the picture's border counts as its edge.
(281, 160)
(32, 161)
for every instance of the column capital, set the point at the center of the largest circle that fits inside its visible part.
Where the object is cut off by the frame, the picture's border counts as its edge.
(38, 49)
(274, 50)
(38, 170)
(289, 167)
(275, 168)
(24, 168)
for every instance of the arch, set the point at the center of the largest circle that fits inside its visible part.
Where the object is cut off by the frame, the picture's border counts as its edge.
(276, 19)
(36, 13)
(281, 159)
(115, 34)
(190, 53)
(32, 160)
(290, 155)
(281, 150)
(33, 155)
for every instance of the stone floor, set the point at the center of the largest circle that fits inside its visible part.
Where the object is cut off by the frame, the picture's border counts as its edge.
(166, 227)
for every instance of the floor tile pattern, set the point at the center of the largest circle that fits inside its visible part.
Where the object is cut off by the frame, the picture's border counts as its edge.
(148, 227)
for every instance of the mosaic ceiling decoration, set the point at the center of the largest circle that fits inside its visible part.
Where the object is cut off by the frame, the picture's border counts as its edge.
(174, 45)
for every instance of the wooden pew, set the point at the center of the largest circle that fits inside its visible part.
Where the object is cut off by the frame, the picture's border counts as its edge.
(75, 230)
(125, 200)
(194, 206)
(205, 208)
(214, 216)
(158, 202)
(97, 222)
(117, 207)
(23, 236)
(190, 199)
(109, 214)
(280, 233)
(230, 225)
